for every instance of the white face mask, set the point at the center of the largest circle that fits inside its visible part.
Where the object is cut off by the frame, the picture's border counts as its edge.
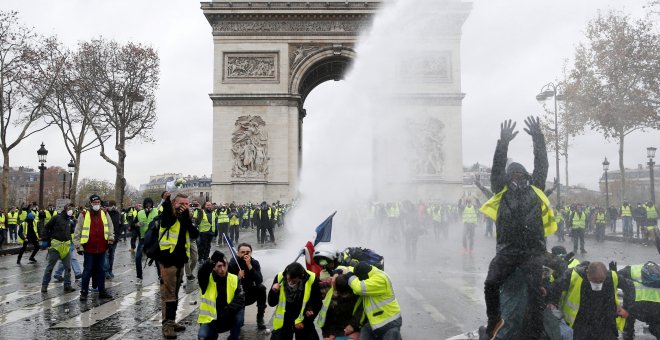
(69, 212)
(96, 207)
(597, 287)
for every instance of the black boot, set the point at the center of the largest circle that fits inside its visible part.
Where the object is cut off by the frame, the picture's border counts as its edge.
(261, 310)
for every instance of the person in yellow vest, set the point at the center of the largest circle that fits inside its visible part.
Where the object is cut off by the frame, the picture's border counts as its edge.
(222, 301)
(223, 224)
(57, 239)
(578, 222)
(600, 220)
(3, 228)
(94, 232)
(559, 216)
(177, 231)
(381, 308)
(234, 224)
(132, 220)
(12, 224)
(651, 219)
(49, 213)
(342, 311)
(28, 233)
(206, 223)
(469, 224)
(591, 305)
(626, 218)
(144, 218)
(647, 303)
(523, 219)
(296, 296)
(264, 216)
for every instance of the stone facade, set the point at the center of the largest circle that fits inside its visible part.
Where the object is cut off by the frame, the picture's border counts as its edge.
(270, 54)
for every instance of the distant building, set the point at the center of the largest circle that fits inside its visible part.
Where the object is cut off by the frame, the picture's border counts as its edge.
(469, 176)
(158, 182)
(638, 184)
(198, 188)
(23, 185)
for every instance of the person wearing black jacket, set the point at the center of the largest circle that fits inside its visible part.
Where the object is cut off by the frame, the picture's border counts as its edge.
(177, 231)
(248, 270)
(57, 236)
(222, 315)
(115, 216)
(264, 216)
(288, 289)
(519, 228)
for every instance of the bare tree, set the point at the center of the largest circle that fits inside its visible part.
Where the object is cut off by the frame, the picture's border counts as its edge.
(126, 76)
(71, 108)
(28, 69)
(615, 78)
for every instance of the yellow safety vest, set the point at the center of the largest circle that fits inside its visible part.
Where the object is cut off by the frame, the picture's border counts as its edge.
(491, 207)
(600, 218)
(24, 225)
(252, 212)
(145, 219)
(644, 293)
(320, 319)
(206, 225)
(245, 214)
(574, 263)
(49, 215)
(280, 309)
(234, 221)
(381, 308)
(470, 215)
(651, 212)
(207, 306)
(437, 215)
(23, 215)
(169, 239)
(12, 219)
(62, 247)
(87, 223)
(625, 211)
(223, 217)
(579, 222)
(571, 307)
(2, 221)
(269, 213)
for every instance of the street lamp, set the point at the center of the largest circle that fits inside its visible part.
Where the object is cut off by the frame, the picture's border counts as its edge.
(72, 168)
(556, 92)
(606, 166)
(42, 153)
(650, 153)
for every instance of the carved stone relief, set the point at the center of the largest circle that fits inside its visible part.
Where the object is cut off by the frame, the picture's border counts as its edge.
(298, 52)
(282, 26)
(250, 148)
(432, 67)
(427, 144)
(251, 67)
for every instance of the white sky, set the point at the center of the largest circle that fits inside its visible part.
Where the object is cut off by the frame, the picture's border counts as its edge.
(510, 49)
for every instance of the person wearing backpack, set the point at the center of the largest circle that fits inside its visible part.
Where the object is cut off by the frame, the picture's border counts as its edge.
(177, 231)
(646, 307)
(144, 218)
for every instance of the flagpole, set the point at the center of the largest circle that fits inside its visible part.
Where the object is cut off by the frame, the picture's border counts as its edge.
(231, 250)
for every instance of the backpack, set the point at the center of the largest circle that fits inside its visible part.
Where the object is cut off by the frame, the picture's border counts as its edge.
(651, 274)
(353, 255)
(151, 245)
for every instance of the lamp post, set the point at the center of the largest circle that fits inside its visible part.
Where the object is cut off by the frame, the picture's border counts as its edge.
(72, 168)
(42, 152)
(556, 92)
(650, 153)
(606, 166)
(63, 185)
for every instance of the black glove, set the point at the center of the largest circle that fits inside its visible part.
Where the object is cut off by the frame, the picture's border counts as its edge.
(613, 266)
(507, 132)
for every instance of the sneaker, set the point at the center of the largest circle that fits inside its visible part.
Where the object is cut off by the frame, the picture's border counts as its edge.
(83, 296)
(58, 278)
(78, 277)
(44, 288)
(33, 260)
(108, 277)
(138, 282)
(94, 290)
(69, 289)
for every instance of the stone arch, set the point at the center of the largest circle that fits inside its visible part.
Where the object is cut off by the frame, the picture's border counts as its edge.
(330, 63)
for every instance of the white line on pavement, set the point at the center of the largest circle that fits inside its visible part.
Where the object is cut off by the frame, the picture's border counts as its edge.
(433, 312)
(37, 308)
(109, 308)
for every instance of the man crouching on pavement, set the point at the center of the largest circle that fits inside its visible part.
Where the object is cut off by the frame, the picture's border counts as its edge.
(222, 305)
(176, 231)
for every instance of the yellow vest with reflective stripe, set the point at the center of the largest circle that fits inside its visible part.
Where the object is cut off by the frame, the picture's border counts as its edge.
(651, 212)
(204, 224)
(23, 215)
(625, 211)
(636, 272)
(87, 223)
(49, 215)
(170, 238)
(24, 225)
(12, 219)
(2, 221)
(571, 305)
(378, 309)
(62, 247)
(470, 215)
(491, 207)
(278, 316)
(234, 220)
(223, 217)
(644, 293)
(579, 222)
(600, 218)
(207, 307)
(574, 263)
(320, 319)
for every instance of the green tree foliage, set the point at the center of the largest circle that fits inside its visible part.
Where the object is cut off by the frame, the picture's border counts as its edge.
(615, 80)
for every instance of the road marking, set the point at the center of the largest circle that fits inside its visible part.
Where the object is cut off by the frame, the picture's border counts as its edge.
(38, 308)
(94, 315)
(26, 292)
(22, 273)
(433, 312)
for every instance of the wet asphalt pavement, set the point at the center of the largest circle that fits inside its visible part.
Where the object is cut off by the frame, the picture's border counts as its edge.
(441, 293)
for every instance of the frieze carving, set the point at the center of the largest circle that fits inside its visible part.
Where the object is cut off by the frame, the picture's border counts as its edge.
(298, 52)
(284, 26)
(249, 67)
(250, 148)
(427, 143)
(431, 67)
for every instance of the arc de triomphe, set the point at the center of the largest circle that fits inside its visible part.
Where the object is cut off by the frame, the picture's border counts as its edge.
(268, 56)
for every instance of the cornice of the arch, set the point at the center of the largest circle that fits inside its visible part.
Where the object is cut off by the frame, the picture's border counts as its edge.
(300, 68)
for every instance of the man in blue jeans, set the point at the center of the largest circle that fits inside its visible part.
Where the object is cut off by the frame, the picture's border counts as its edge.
(57, 238)
(222, 303)
(144, 217)
(115, 216)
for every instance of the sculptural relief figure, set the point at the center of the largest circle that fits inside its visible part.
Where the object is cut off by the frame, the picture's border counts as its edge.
(250, 148)
(427, 143)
